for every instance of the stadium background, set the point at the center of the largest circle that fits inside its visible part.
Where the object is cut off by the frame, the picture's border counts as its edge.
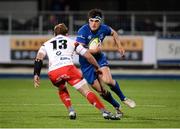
(150, 33)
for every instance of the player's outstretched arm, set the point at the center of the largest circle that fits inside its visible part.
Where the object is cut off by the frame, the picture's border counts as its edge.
(86, 54)
(118, 42)
(38, 62)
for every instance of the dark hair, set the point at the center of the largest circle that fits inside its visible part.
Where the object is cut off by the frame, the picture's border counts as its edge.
(60, 29)
(94, 12)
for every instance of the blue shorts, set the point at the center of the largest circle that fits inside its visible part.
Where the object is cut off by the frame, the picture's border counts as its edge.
(88, 70)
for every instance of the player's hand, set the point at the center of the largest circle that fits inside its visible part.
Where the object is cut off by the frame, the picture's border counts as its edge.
(99, 48)
(122, 52)
(99, 71)
(36, 81)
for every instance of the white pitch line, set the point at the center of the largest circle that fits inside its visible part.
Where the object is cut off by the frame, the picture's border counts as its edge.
(39, 104)
(152, 106)
(82, 105)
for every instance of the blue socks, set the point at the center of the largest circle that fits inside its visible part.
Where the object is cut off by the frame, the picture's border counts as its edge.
(118, 91)
(108, 97)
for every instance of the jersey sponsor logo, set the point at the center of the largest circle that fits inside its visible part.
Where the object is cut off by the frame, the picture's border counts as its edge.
(64, 58)
(58, 53)
(62, 77)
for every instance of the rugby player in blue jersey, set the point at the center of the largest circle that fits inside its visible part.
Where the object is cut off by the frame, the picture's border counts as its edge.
(96, 29)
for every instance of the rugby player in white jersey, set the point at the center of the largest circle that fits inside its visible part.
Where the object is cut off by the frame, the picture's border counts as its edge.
(59, 50)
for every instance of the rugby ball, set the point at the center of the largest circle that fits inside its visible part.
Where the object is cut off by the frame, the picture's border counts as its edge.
(93, 44)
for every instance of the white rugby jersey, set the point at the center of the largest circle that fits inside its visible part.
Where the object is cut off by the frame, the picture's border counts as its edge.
(60, 50)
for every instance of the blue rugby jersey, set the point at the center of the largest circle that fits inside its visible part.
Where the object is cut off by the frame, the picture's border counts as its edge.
(85, 35)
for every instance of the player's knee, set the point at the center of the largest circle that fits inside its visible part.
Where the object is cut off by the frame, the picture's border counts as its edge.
(108, 81)
(84, 89)
(106, 78)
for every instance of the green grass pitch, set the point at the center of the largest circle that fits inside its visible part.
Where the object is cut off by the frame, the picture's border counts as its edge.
(23, 106)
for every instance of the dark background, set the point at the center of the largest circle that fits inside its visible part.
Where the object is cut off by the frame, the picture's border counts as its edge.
(112, 5)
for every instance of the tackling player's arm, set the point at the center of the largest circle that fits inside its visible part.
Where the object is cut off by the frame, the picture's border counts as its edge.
(98, 49)
(38, 62)
(117, 42)
(86, 54)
